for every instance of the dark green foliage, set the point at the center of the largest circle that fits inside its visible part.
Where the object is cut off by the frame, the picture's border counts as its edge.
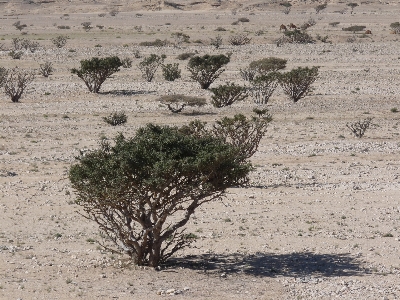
(263, 86)
(205, 69)
(267, 65)
(334, 24)
(116, 118)
(285, 4)
(243, 20)
(171, 71)
(149, 65)
(156, 43)
(297, 83)
(96, 70)
(358, 128)
(354, 28)
(352, 5)
(298, 37)
(185, 56)
(176, 103)
(225, 95)
(395, 25)
(142, 191)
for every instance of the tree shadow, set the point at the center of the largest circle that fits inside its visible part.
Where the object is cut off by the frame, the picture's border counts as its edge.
(296, 264)
(126, 92)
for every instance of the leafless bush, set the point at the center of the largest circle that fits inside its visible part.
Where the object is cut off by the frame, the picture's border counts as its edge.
(46, 69)
(86, 26)
(248, 73)
(59, 41)
(217, 42)
(3, 75)
(113, 12)
(176, 103)
(16, 82)
(19, 26)
(358, 128)
(239, 39)
(126, 62)
(15, 54)
(287, 10)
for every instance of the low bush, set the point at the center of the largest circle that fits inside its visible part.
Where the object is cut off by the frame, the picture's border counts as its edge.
(227, 94)
(354, 28)
(171, 72)
(156, 43)
(216, 42)
(263, 86)
(116, 118)
(185, 56)
(176, 103)
(16, 81)
(360, 127)
(239, 39)
(60, 41)
(149, 65)
(297, 82)
(46, 69)
(269, 64)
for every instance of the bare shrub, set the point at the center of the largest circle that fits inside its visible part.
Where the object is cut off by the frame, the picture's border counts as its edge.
(186, 55)
(116, 118)
(46, 69)
(297, 82)
(86, 26)
(176, 103)
(60, 41)
(248, 73)
(126, 62)
(321, 7)
(19, 26)
(16, 82)
(179, 38)
(216, 42)
(156, 43)
(360, 127)
(15, 54)
(239, 39)
(149, 65)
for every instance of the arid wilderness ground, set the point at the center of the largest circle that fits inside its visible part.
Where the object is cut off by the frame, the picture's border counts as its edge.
(321, 217)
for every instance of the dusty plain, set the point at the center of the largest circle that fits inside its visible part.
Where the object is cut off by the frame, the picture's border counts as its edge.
(321, 216)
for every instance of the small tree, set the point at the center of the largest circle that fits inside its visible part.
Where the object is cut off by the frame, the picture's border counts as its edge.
(46, 69)
(176, 103)
(60, 41)
(297, 83)
(205, 69)
(352, 5)
(149, 65)
(358, 128)
(96, 70)
(171, 72)
(263, 86)
(16, 82)
(143, 190)
(227, 94)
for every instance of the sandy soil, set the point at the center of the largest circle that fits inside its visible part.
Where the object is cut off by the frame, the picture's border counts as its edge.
(320, 219)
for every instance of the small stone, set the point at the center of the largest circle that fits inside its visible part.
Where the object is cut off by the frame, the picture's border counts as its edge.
(170, 291)
(223, 275)
(186, 288)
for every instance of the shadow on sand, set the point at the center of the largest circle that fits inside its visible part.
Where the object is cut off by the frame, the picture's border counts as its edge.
(295, 264)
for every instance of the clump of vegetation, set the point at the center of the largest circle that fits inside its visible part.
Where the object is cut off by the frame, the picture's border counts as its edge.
(395, 27)
(227, 94)
(180, 38)
(263, 86)
(321, 7)
(149, 65)
(171, 72)
(244, 20)
(266, 65)
(352, 5)
(334, 24)
(3, 75)
(16, 82)
(156, 43)
(176, 103)
(360, 127)
(354, 28)
(19, 26)
(86, 26)
(295, 37)
(15, 54)
(60, 41)
(297, 82)
(46, 69)
(116, 118)
(126, 62)
(220, 29)
(205, 69)
(96, 70)
(19, 44)
(239, 39)
(216, 42)
(186, 55)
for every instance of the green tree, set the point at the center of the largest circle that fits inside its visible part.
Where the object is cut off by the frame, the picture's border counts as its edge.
(205, 69)
(16, 81)
(268, 64)
(149, 65)
(143, 190)
(96, 70)
(297, 83)
(227, 94)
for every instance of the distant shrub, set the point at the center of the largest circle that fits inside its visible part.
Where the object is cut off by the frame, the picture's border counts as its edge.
(216, 42)
(171, 72)
(149, 65)
(156, 43)
(239, 39)
(59, 41)
(227, 94)
(179, 38)
(46, 69)
(355, 28)
(205, 69)
(186, 55)
(86, 26)
(15, 54)
(269, 64)
(16, 82)
(19, 26)
(248, 73)
(360, 127)
(334, 24)
(176, 103)
(63, 27)
(116, 118)
(285, 4)
(320, 7)
(220, 29)
(297, 82)
(126, 62)
(243, 20)
(263, 86)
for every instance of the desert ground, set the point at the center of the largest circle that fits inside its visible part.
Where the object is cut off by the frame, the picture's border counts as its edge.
(320, 218)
